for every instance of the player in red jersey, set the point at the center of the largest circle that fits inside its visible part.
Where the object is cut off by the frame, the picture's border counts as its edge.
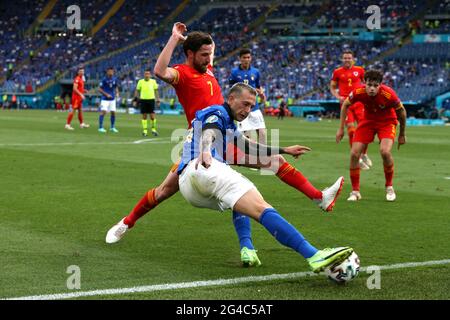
(347, 78)
(382, 111)
(197, 88)
(77, 100)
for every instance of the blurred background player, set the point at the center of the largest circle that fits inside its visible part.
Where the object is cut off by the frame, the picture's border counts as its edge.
(382, 109)
(250, 75)
(146, 92)
(110, 93)
(347, 78)
(77, 100)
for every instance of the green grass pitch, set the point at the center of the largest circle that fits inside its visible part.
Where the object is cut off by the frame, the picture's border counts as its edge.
(61, 191)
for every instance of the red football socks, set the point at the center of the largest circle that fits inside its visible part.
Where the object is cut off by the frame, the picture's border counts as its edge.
(354, 177)
(144, 205)
(288, 174)
(389, 175)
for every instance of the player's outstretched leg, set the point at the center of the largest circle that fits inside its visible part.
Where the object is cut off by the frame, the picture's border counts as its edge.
(287, 173)
(242, 226)
(253, 205)
(149, 201)
(101, 117)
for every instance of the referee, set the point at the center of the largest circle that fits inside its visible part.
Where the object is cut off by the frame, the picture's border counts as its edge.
(145, 94)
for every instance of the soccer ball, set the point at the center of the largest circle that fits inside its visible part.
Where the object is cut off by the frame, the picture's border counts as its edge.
(345, 271)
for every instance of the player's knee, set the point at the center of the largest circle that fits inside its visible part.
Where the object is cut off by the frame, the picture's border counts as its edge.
(165, 191)
(355, 153)
(385, 153)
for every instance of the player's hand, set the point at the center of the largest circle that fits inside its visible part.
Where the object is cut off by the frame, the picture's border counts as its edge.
(205, 159)
(178, 30)
(341, 99)
(339, 135)
(158, 102)
(83, 97)
(401, 140)
(296, 150)
(109, 96)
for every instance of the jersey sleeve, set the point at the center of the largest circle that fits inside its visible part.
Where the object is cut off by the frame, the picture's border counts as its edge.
(355, 95)
(362, 75)
(139, 85)
(213, 121)
(232, 80)
(155, 84)
(394, 100)
(257, 84)
(335, 76)
(102, 84)
(179, 77)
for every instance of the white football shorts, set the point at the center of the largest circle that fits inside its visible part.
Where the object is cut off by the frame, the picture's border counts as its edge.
(108, 105)
(254, 121)
(219, 187)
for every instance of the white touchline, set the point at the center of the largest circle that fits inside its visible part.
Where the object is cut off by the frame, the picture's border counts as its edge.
(208, 283)
(50, 144)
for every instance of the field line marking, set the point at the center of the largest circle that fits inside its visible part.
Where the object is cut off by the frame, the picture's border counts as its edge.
(209, 283)
(50, 144)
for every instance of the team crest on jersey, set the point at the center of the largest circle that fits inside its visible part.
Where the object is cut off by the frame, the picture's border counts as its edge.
(212, 119)
(355, 73)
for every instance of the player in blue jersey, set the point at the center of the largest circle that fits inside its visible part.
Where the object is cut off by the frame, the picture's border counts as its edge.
(247, 74)
(207, 181)
(109, 88)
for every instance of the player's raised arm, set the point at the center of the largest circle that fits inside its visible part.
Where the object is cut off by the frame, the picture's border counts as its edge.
(401, 116)
(257, 149)
(162, 69)
(340, 132)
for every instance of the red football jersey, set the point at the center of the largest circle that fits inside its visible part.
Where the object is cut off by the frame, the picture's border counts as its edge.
(380, 107)
(79, 81)
(196, 90)
(348, 79)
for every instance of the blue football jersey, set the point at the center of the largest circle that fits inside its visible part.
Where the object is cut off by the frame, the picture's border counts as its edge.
(218, 117)
(250, 77)
(109, 85)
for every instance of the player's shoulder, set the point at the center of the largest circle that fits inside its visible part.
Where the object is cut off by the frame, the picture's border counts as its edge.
(387, 91)
(358, 68)
(338, 69)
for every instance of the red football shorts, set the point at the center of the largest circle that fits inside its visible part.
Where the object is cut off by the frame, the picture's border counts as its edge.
(367, 129)
(76, 103)
(355, 113)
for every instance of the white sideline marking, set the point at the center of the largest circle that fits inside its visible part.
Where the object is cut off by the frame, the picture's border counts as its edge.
(209, 283)
(50, 144)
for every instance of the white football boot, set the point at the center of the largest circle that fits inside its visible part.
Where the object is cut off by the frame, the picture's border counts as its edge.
(329, 195)
(365, 158)
(84, 125)
(354, 196)
(363, 165)
(68, 127)
(116, 232)
(390, 194)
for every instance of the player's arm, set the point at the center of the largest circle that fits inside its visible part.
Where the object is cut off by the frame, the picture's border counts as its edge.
(75, 89)
(158, 101)
(103, 92)
(207, 139)
(334, 90)
(162, 69)
(401, 116)
(340, 132)
(260, 90)
(258, 149)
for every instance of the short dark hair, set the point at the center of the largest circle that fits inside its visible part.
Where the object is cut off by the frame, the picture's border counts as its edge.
(195, 40)
(147, 70)
(373, 75)
(110, 68)
(244, 51)
(348, 51)
(237, 88)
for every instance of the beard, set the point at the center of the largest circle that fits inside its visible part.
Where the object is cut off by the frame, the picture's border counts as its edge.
(200, 68)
